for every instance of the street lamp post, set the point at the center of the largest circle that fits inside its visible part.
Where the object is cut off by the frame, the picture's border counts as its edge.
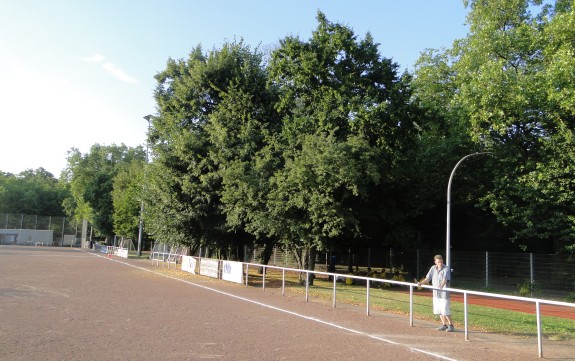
(448, 231)
(141, 228)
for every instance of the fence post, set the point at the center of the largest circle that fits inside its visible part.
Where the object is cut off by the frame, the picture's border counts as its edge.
(539, 334)
(63, 227)
(367, 296)
(465, 313)
(411, 305)
(417, 265)
(306, 286)
(247, 273)
(369, 257)
(334, 290)
(264, 278)
(486, 270)
(531, 267)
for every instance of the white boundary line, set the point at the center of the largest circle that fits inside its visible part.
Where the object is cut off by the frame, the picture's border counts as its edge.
(327, 323)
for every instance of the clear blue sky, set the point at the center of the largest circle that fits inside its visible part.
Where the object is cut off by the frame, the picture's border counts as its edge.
(78, 72)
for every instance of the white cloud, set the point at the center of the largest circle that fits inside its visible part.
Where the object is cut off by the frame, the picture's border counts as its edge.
(96, 58)
(118, 73)
(111, 68)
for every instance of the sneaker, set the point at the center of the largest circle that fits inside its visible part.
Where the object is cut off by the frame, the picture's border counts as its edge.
(442, 328)
(450, 328)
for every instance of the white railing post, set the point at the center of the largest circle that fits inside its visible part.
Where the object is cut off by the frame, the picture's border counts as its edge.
(283, 281)
(264, 278)
(367, 298)
(306, 286)
(247, 273)
(465, 314)
(539, 342)
(411, 305)
(334, 286)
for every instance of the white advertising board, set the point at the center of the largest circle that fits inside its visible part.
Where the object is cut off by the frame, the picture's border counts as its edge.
(189, 264)
(209, 267)
(233, 271)
(122, 252)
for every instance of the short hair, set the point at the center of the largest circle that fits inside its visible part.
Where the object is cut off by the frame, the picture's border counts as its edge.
(438, 256)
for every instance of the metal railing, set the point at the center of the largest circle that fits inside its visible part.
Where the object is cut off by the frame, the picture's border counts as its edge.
(369, 281)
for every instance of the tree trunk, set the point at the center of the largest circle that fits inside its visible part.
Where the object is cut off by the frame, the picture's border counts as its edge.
(266, 255)
(308, 263)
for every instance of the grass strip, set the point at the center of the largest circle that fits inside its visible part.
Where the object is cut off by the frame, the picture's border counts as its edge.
(396, 300)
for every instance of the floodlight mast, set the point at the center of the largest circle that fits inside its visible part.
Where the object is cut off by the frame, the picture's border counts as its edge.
(448, 231)
(141, 228)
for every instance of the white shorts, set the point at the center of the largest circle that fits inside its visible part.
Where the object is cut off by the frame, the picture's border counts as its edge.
(441, 306)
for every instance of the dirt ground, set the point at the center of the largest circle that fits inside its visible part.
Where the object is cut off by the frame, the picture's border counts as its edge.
(70, 304)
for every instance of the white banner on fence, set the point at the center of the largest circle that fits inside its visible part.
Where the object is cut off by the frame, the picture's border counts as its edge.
(209, 267)
(122, 252)
(233, 271)
(189, 264)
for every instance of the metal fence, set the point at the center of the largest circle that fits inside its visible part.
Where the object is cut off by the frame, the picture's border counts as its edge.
(32, 221)
(527, 274)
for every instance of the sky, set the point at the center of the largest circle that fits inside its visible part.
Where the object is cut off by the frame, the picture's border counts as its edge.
(74, 73)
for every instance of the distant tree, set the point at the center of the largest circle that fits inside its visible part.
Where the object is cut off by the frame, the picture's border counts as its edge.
(127, 197)
(34, 192)
(91, 178)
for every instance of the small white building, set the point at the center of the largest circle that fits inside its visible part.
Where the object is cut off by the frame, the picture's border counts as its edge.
(26, 237)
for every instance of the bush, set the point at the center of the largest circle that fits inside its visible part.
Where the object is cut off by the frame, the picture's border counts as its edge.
(527, 288)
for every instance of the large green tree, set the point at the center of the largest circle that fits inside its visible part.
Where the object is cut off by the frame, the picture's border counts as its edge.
(346, 124)
(192, 147)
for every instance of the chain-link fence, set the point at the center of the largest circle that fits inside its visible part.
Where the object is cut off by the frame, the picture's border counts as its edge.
(528, 274)
(525, 274)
